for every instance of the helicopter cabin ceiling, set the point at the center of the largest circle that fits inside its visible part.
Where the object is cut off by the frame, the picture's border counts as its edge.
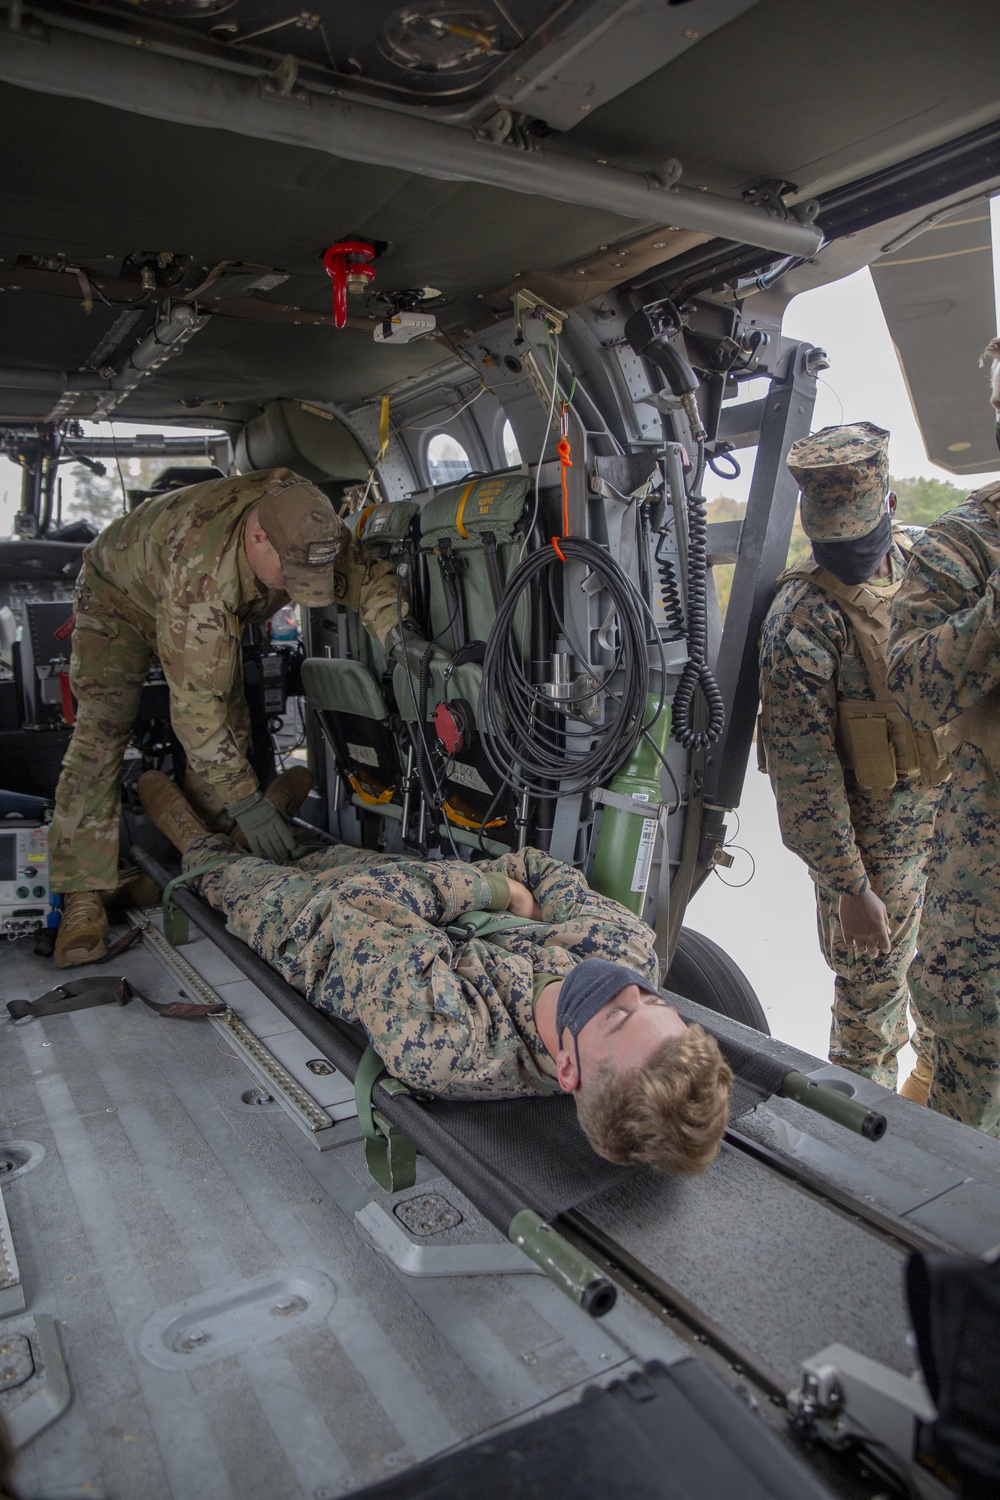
(208, 152)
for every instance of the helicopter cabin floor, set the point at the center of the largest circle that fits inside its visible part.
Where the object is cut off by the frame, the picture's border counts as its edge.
(222, 1294)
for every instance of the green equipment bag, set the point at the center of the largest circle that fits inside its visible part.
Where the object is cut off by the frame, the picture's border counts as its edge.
(470, 535)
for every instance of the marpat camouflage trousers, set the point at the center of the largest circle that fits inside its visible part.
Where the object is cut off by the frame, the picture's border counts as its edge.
(110, 660)
(871, 994)
(956, 975)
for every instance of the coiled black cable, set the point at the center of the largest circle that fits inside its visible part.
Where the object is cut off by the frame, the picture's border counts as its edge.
(522, 739)
(697, 674)
(670, 594)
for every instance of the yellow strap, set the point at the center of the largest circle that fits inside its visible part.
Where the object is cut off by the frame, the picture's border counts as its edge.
(459, 523)
(363, 519)
(463, 822)
(383, 428)
(372, 801)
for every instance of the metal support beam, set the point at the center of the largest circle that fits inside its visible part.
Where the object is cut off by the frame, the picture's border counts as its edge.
(148, 445)
(111, 72)
(767, 528)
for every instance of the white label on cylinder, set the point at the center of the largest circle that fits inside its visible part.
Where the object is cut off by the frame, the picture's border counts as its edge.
(644, 854)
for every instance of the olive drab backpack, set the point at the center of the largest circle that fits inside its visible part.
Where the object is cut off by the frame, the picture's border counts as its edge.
(472, 535)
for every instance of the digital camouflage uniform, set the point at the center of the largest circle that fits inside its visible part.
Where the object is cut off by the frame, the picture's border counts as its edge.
(172, 579)
(945, 670)
(367, 942)
(851, 836)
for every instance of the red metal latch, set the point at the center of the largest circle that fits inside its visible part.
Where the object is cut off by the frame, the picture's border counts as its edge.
(345, 264)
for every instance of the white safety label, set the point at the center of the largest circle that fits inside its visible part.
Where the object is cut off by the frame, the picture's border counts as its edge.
(363, 753)
(468, 776)
(644, 854)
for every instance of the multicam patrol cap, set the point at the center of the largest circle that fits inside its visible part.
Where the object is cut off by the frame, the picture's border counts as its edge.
(306, 532)
(843, 473)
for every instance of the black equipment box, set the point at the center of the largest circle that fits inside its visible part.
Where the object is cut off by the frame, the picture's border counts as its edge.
(665, 1433)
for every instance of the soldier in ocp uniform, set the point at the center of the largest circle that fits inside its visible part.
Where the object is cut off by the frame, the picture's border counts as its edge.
(505, 978)
(856, 787)
(180, 577)
(944, 670)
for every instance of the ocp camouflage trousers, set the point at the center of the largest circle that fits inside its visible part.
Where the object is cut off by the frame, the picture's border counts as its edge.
(108, 668)
(109, 664)
(956, 975)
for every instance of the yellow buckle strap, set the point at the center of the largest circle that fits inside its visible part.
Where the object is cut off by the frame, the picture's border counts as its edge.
(461, 821)
(460, 513)
(369, 797)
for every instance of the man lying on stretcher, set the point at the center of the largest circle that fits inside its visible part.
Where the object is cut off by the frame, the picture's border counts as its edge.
(548, 986)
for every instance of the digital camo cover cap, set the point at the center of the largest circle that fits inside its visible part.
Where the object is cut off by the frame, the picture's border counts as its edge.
(843, 473)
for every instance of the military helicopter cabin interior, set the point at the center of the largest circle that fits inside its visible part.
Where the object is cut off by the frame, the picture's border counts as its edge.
(492, 276)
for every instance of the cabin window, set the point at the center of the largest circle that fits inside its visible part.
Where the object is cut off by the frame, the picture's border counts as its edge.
(447, 460)
(511, 451)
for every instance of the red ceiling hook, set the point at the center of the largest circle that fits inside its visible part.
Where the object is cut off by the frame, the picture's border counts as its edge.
(345, 265)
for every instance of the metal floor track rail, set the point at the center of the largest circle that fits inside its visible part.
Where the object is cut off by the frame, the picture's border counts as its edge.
(434, 1130)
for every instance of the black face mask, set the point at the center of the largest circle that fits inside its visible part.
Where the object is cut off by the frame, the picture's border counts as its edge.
(586, 990)
(856, 560)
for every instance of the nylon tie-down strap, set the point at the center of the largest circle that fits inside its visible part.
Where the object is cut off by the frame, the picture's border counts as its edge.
(84, 994)
(75, 994)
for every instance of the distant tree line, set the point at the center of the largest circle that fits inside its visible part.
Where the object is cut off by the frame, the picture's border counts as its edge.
(918, 502)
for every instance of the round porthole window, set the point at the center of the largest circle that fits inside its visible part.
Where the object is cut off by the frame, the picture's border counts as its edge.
(447, 460)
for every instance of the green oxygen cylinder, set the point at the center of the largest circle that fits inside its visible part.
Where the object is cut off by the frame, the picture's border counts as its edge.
(626, 840)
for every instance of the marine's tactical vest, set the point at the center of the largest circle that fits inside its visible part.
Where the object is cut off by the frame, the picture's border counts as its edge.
(980, 725)
(875, 740)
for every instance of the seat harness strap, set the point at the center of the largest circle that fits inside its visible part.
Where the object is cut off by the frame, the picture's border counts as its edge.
(175, 922)
(390, 1158)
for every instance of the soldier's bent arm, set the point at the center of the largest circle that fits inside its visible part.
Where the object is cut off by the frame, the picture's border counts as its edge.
(582, 921)
(431, 1027)
(198, 644)
(800, 658)
(944, 649)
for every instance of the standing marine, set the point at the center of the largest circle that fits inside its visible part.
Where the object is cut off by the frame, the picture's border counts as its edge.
(944, 670)
(856, 787)
(179, 578)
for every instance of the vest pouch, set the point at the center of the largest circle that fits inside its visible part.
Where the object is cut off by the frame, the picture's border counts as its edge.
(866, 746)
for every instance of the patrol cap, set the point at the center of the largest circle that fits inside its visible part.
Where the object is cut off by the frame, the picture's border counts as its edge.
(843, 473)
(305, 531)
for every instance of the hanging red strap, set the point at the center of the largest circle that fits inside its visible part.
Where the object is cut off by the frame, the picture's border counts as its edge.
(67, 697)
(565, 462)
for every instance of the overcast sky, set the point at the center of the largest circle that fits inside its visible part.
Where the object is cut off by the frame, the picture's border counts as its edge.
(864, 381)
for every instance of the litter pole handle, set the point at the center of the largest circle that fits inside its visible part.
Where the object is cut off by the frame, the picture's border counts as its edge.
(571, 1271)
(834, 1105)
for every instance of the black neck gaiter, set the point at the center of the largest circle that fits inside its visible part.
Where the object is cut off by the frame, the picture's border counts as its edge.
(856, 560)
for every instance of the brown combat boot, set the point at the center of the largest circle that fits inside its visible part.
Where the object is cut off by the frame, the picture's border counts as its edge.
(167, 807)
(82, 933)
(287, 792)
(917, 1086)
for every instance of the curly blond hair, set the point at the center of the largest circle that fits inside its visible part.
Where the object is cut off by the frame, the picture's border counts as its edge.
(669, 1114)
(991, 354)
